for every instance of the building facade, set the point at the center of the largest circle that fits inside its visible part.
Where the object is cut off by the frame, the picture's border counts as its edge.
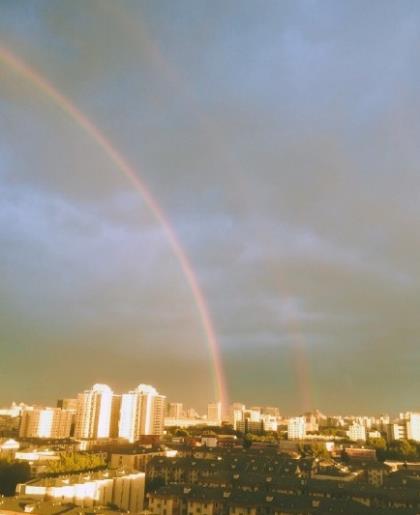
(46, 423)
(142, 413)
(94, 410)
(296, 428)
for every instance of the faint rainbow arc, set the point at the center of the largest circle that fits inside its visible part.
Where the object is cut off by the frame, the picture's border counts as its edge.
(34, 77)
(138, 32)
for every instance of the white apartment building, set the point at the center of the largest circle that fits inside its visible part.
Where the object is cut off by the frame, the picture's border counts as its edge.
(357, 432)
(236, 414)
(142, 413)
(296, 428)
(269, 422)
(124, 490)
(412, 421)
(94, 410)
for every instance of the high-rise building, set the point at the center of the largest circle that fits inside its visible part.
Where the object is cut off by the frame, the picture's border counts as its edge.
(175, 410)
(396, 431)
(94, 410)
(46, 423)
(412, 425)
(296, 428)
(236, 414)
(115, 416)
(214, 412)
(142, 413)
(70, 404)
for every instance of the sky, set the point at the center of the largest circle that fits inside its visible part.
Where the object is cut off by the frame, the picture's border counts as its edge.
(281, 141)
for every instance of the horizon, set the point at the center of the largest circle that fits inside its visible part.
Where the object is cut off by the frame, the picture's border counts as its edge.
(248, 405)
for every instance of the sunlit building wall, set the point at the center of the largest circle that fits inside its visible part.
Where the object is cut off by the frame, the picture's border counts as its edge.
(175, 410)
(125, 491)
(94, 410)
(45, 423)
(214, 412)
(357, 432)
(236, 414)
(269, 422)
(70, 404)
(296, 428)
(142, 413)
(412, 425)
(397, 431)
(270, 410)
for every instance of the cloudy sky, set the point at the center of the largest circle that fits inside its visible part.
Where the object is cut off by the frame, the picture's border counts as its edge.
(281, 140)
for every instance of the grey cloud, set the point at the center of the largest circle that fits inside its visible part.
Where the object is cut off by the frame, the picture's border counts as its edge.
(280, 139)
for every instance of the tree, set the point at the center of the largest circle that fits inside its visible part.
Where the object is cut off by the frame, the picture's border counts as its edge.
(247, 442)
(77, 462)
(11, 474)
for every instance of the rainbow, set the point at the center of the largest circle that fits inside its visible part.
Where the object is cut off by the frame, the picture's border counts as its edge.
(138, 32)
(84, 122)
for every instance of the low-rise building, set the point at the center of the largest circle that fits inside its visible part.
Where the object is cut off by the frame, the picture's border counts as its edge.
(137, 459)
(116, 487)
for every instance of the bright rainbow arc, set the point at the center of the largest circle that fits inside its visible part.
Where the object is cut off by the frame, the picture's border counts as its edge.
(12, 61)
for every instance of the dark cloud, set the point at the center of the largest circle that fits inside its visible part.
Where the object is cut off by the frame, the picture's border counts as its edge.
(282, 141)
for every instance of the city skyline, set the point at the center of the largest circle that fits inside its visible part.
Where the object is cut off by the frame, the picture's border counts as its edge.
(207, 404)
(220, 199)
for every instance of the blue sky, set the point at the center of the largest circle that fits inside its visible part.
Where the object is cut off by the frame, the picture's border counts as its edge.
(281, 138)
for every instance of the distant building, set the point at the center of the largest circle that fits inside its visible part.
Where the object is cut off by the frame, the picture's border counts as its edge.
(296, 428)
(8, 446)
(46, 423)
(15, 410)
(250, 426)
(70, 404)
(137, 459)
(396, 431)
(412, 421)
(407, 427)
(360, 454)
(187, 422)
(269, 422)
(192, 413)
(214, 412)
(270, 410)
(236, 414)
(142, 413)
(175, 410)
(357, 432)
(311, 421)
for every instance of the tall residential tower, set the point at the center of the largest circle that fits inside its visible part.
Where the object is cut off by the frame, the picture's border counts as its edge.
(142, 413)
